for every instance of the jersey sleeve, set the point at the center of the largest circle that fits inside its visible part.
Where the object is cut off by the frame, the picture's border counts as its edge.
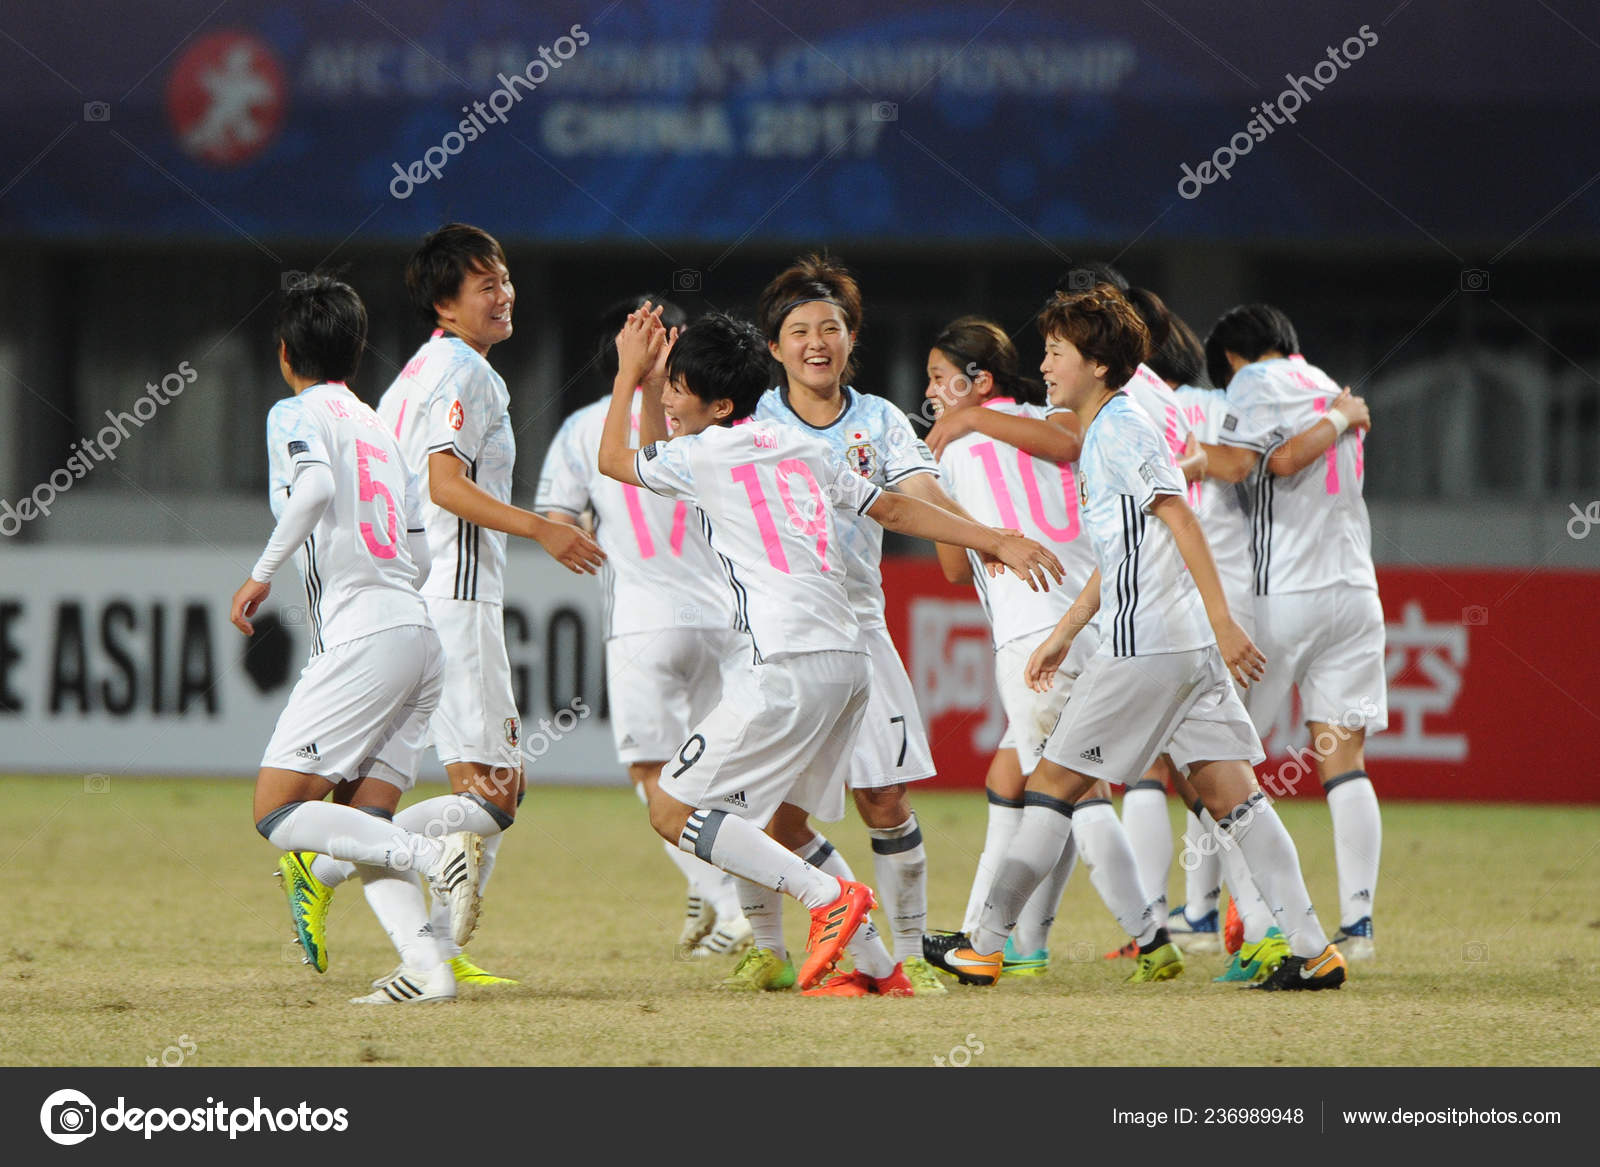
(1252, 418)
(293, 442)
(904, 453)
(564, 481)
(667, 468)
(459, 413)
(1139, 464)
(846, 489)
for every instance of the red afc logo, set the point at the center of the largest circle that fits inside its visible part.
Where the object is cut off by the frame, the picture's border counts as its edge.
(457, 416)
(226, 98)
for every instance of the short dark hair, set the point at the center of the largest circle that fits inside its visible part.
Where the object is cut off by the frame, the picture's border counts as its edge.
(1179, 357)
(718, 356)
(611, 322)
(441, 262)
(1251, 330)
(1101, 325)
(814, 276)
(323, 326)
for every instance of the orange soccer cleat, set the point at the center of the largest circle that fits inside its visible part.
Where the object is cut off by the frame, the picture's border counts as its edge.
(1233, 929)
(832, 926)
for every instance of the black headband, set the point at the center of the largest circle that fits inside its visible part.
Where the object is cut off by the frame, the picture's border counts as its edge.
(783, 313)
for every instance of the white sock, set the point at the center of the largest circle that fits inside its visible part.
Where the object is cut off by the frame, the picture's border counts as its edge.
(1144, 818)
(1259, 833)
(1038, 915)
(397, 902)
(433, 817)
(866, 946)
(1202, 877)
(1357, 842)
(1253, 911)
(763, 907)
(722, 890)
(346, 833)
(1035, 849)
(742, 849)
(1005, 816)
(900, 863)
(1104, 846)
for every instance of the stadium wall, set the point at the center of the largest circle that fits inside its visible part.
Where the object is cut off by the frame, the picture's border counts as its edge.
(130, 666)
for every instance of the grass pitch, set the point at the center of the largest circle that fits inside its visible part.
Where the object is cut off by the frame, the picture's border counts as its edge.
(142, 924)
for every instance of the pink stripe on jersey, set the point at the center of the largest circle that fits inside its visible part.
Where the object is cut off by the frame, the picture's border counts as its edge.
(641, 529)
(746, 476)
(679, 523)
(985, 452)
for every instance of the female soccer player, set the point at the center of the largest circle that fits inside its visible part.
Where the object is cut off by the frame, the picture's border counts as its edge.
(972, 373)
(1160, 679)
(811, 314)
(668, 639)
(1317, 607)
(786, 735)
(357, 717)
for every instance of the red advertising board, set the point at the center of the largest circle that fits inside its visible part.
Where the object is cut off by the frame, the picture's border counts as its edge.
(1493, 691)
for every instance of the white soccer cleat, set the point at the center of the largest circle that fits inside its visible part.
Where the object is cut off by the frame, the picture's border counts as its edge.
(727, 939)
(408, 987)
(1355, 941)
(456, 882)
(698, 919)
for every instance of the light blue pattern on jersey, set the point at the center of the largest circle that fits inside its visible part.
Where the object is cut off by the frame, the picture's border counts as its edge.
(875, 440)
(287, 423)
(1148, 603)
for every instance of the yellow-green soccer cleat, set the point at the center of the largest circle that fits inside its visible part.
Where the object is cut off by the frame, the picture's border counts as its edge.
(467, 973)
(925, 980)
(1255, 962)
(308, 898)
(760, 969)
(1161, 964)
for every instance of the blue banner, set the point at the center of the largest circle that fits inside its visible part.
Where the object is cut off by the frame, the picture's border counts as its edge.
(635, 122)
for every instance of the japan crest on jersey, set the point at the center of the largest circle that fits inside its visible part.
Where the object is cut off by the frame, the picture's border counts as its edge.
(861, 454)
(458, 416)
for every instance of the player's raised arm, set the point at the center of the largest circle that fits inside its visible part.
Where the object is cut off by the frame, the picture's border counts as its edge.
(1057, 438)
(1239, 653)
(640, 345)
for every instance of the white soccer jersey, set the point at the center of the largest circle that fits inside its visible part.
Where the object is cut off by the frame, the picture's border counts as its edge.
(1224, 508)
(1148, 602)
(358, 571)
(1002, 486)
(1160, 402)
(769, 496)
(659, 572)
(876, 440)
(1309, 530)
(449, 398)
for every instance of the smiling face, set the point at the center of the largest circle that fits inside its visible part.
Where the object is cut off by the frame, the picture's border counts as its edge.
(688, 413)
(1071, 378)
(814, 346)
(480, 313)
(950, 389)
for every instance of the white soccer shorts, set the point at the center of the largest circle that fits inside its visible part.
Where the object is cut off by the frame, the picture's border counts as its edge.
(782, 735)
(661, 683)
(477, 719)
(1329, 643)
(893, 744)
(361, 709)
(1126, 711)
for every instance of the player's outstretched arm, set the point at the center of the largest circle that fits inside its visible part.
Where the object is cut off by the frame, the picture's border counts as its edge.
(1243, 658)
(1031, 561)
(452, 490)
(1192, 463)
(1057, 438)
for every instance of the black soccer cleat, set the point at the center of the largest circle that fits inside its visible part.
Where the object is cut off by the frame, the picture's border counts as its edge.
(1326, 970)
(952, 952)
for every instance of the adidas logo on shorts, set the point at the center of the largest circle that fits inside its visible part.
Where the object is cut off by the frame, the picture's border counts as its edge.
(737, 800)
(1092, 754)
(628, 743)
(309, 753)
